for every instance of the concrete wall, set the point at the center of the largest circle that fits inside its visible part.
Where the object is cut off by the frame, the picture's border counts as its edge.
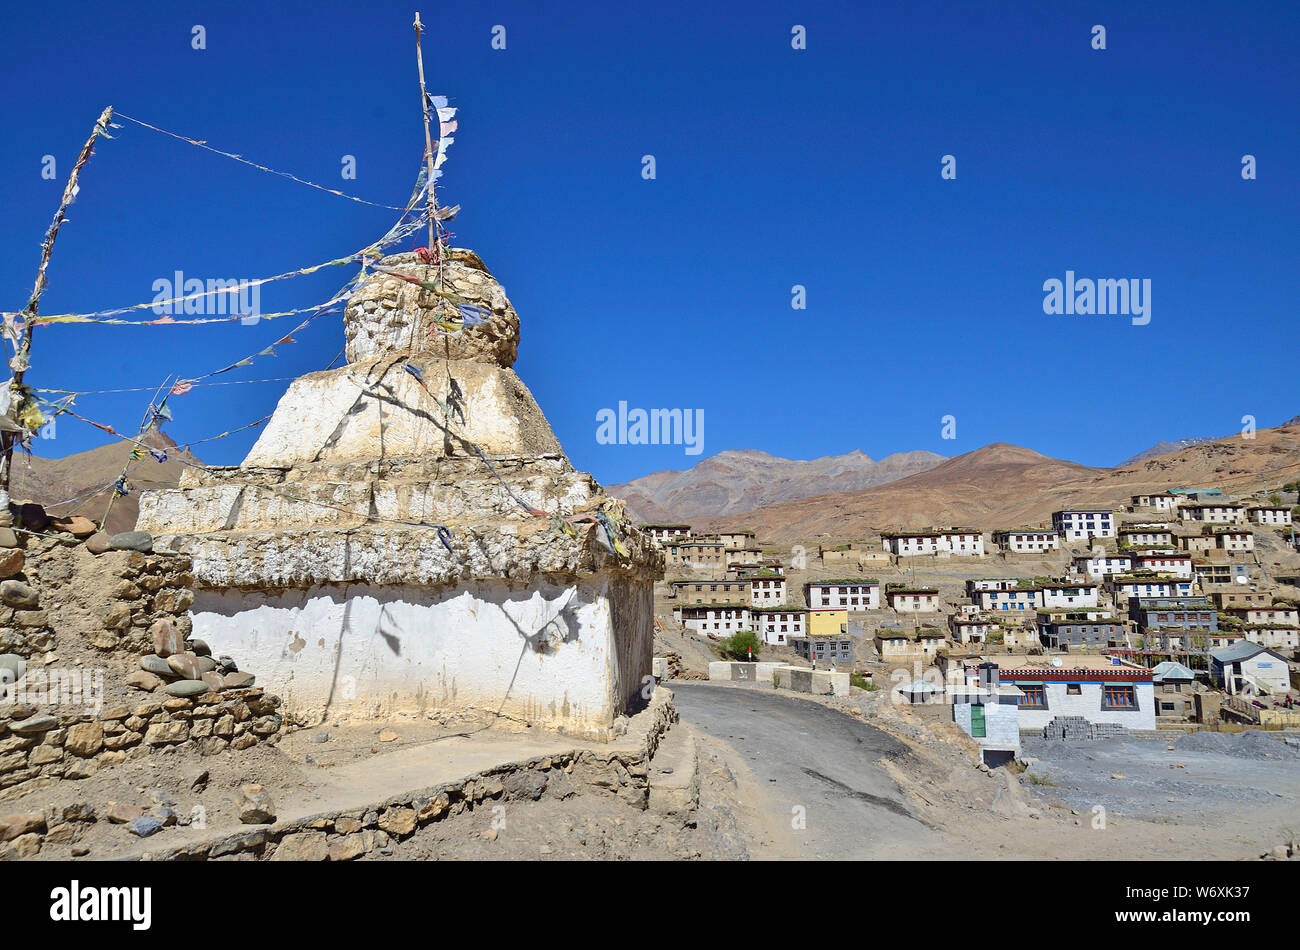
(560, 655)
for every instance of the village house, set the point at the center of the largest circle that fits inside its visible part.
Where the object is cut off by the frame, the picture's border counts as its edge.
(706, 591)
(1174, 685)
(1285, 640)
(1223, 599)
(861, 594)
(1145, 536)
(766, 565)
(1249, 667)
(1160, 501)
(733, 540)
(1102, 565)
(1270, 514)
(915, 600)
(938, 541)
(666, 532)
(1027, 540)
(1102, 690)
(743, 557)
(1022, 598)
(1216, 513)
(990, 583)
(894, 644)
(1077, 631)
(1148, 585)
(1075, 524)
(1224, 638)
(695, 554)
(1280, 615)
(778, 625)
(827, 622)
(989, 713)
(766, 590)
(1219, 567)
(1157, 614)
(1179, 565)
(716, 619)
(1061, 594)
(1197, 543)
(1234, 539)
(970, 629)
(835, 651)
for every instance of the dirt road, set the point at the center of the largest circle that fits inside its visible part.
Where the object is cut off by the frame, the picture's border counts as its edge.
(811, 775)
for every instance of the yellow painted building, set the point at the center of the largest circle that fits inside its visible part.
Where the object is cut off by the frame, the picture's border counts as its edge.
(827, 623)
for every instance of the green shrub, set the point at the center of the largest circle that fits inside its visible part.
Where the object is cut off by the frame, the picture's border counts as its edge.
(740, 645)
(860, 683)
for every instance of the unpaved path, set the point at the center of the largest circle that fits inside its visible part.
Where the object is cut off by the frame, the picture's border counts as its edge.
(816, 785)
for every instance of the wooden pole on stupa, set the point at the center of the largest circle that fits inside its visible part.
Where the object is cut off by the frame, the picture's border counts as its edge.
(23, 346)
(428, 137)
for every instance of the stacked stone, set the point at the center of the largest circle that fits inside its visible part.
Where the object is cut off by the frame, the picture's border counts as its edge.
(76, 745)
(1108, 730)
(1068, 728)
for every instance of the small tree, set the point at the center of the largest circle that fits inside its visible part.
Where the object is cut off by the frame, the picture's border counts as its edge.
(741, 645)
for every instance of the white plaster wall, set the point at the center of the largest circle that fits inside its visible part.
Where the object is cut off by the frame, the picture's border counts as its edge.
(1088, 705)
(572, 651)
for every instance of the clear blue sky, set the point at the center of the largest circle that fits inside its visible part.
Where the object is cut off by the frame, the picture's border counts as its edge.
(775, 167)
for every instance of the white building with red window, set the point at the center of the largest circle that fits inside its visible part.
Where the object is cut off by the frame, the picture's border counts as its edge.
(1270, 514)
(938, 541)
(720, 620)
(1179, 565)
(1027, 540)
(776, 625)
(1235, 539)
(1101, 689)
(919, 600)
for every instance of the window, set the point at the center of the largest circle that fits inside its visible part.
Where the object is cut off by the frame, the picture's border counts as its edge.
(1073, 689)
(1035, 697)
(1118, 697)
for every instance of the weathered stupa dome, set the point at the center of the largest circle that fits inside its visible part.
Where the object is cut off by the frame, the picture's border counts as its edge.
(407, 534)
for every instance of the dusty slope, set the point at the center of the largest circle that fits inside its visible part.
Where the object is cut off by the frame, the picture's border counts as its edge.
(733, 482)
(1005, 486)
(49, 481)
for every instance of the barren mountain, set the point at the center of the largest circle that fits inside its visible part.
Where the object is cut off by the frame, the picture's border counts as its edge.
(1004, 486)
(51, 481)
(1163, 448)
(733, 482)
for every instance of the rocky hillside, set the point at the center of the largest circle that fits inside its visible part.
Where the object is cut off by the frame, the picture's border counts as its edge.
(49, 481)
(734, 482)
(1005, 486)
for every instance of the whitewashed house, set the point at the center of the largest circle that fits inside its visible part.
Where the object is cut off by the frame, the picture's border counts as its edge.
(1131, 587)
(1270, 514)
(717, 619)
(776, 625)
(1146, 536)
(854, 594)
(1019, 600)
(1246, 667)
(1218, 513)
(1235, 539)
(919, 600)
(766, 590)
(1027, 540)
(1179, 565)
(1160, 501)
(937, 541)
(1099, 690)
(1103, 565)
(1062, 594)
(1076, 524)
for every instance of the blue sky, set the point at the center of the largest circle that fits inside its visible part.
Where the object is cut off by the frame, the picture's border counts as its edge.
(775, 167)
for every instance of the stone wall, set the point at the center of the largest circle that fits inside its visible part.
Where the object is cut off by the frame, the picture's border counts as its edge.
(89, 625)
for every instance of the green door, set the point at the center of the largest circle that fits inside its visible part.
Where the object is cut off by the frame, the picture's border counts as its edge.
(977, 722)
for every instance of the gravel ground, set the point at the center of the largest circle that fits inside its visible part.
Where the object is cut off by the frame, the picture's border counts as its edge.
(1202, 775)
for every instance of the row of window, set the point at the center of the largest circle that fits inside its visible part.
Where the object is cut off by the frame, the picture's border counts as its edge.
(1112, 697)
